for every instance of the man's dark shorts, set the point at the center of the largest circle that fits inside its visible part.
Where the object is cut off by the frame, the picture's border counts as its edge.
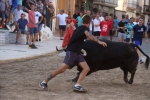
(62, 27)
(97, 33)
(128, 39)
(72, 59)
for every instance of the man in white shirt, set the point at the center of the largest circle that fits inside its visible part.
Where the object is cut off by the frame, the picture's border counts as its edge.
(62, 22)
(17, 15)
(101, 17)
(136, 21)
(97, 29)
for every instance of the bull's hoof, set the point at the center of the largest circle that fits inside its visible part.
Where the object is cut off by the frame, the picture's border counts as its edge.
(126, 80)
(130, 82)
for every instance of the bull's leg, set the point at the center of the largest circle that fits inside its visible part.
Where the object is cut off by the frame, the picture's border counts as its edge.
(125, 76)
(76, 78)
(131, 79)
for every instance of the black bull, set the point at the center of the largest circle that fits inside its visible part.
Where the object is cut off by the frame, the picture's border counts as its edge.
(116, 54)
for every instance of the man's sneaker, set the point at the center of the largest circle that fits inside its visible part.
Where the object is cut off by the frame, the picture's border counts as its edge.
(39, 39)
(16, 42)
(32, 46)
(140, 61)
(79, 89)
(43, 85)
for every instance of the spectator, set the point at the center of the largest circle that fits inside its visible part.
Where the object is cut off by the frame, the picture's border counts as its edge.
(88, 13)
(62, 23)
(127, 19)
(43, 1)
(42, 20)
(17, 15)
(96, 26)
(7, 12)
(28, 3)
(21, 25)
(0, 15)
(101, 16)
(136, 21)
(105, 27)
(39, 5)
(76, 14)
(13, 7)
(116, 21)
(79, 18)
(23, 4)
(148, 27)
(122, 31)
(32, 27)
(129, 28)
(111, 31)
(4, 6)
(48, 11)
(20, 2)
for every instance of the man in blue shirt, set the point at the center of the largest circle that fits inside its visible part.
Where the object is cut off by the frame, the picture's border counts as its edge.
(129, 28)
(22, 22)
(138, 31)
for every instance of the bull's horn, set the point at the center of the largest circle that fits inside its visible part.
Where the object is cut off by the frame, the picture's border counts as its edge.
(84, 53)
(59, 49)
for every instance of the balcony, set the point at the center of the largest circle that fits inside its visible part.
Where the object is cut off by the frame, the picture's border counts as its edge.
(146, 9)
(109, 3)
(138, 10)
(132, 5)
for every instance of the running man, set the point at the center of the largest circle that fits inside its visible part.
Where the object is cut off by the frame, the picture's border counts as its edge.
(138, 31)
(73, 56)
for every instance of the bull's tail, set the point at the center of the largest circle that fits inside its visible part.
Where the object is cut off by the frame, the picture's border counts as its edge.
(147, 57)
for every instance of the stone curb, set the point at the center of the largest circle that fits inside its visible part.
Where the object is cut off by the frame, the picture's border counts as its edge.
(27, 58)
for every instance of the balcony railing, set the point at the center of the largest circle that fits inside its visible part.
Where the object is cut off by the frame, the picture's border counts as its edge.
(132, 4)
(146, 9)
(138, 10)
(111, 3)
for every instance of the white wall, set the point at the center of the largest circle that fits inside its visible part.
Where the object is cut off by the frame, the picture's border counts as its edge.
(54, 20)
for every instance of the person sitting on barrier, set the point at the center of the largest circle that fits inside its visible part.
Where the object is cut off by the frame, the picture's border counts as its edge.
(21, 24)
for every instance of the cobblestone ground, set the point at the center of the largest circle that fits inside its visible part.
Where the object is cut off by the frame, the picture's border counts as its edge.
(19, 81)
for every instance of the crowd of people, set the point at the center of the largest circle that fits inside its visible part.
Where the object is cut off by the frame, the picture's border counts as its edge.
(13, 13)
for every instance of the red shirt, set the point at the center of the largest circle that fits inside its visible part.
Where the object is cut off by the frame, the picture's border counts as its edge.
(31, 15)
(105, 27)
(111, 23)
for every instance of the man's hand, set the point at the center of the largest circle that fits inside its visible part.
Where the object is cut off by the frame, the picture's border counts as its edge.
(102, 43)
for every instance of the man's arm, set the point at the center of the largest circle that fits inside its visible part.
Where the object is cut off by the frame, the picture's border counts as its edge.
(146, 36)
(26, 9)
(41, 19)
(91, 37)
(131, 36)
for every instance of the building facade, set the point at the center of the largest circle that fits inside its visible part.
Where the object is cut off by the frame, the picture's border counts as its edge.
(105, 6)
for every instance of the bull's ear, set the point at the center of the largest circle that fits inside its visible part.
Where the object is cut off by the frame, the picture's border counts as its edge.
(83, 52)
